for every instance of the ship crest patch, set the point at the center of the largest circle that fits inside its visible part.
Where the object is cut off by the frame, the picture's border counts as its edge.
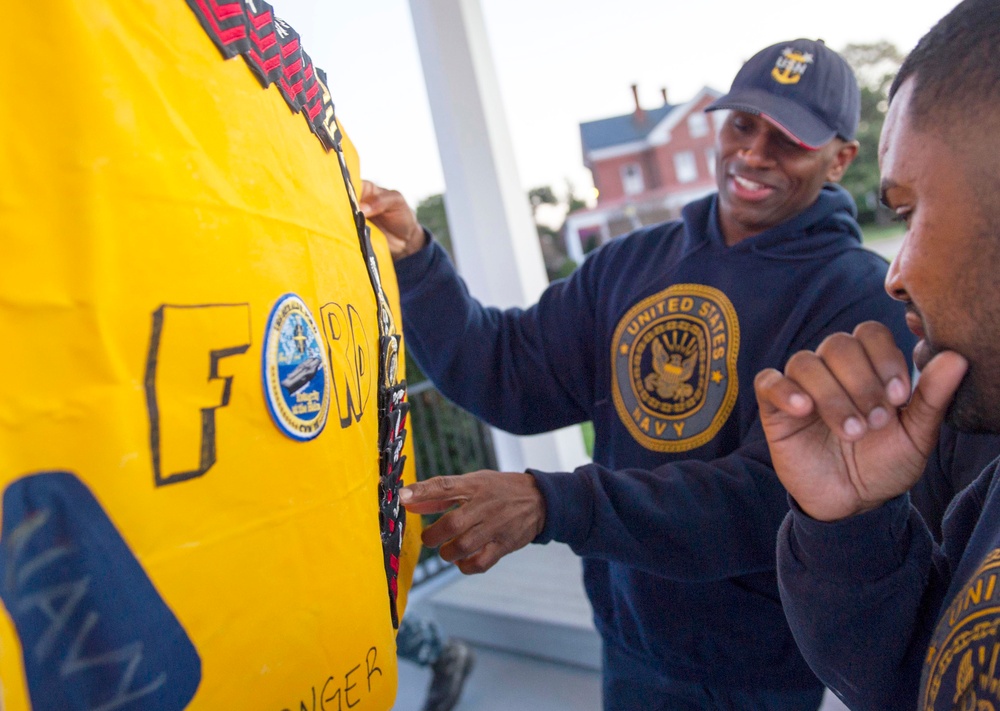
(295, 369)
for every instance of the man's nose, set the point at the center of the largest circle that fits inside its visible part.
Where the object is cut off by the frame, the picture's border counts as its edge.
(894, 277)
(756, 152)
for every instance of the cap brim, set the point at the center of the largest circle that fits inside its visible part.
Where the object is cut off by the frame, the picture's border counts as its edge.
(796, 121)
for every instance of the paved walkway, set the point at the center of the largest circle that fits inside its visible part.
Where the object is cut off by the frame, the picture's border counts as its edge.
(502, 681)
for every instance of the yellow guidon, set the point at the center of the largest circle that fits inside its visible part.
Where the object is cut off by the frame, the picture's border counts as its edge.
(151, 220)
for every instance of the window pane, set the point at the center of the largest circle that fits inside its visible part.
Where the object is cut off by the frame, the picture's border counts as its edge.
(685, 166)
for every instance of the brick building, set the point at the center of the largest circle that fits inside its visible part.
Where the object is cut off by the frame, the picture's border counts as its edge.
(646, 165)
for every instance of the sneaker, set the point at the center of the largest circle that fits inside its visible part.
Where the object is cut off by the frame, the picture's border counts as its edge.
(450, 672)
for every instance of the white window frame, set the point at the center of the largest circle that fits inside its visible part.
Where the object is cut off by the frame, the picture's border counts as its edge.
(633, 181)
(698, 124)
(685, 167)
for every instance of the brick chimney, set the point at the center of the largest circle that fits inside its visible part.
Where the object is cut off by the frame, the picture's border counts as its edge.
(639, 116)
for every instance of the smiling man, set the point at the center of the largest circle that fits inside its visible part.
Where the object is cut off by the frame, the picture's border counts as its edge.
(885, 617)
(770, 173)
(656, 339)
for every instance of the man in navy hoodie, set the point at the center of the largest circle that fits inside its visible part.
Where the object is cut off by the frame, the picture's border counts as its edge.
(656, 339)
(885, 617)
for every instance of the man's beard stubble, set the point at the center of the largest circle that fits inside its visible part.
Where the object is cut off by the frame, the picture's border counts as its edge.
(976, 405)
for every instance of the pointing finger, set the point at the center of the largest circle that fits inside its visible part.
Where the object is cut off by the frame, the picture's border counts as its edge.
(439, 488)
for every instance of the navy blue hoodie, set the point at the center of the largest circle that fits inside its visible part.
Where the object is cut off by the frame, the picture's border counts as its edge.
(889, 620)
(656, 338)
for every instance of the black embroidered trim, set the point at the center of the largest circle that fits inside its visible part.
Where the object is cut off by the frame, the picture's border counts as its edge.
(273, 51)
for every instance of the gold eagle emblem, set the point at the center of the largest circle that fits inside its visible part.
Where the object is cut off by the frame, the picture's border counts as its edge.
(670, 373)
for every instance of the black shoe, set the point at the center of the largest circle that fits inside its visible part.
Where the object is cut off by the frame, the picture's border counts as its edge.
(450, 672)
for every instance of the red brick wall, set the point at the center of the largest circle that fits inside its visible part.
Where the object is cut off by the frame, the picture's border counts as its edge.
(608, 177)
(681, 140)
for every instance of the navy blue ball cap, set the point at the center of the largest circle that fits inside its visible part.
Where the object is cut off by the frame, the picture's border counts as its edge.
(803, 87)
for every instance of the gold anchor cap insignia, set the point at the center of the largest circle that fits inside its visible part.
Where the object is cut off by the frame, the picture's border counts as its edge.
(791, 65)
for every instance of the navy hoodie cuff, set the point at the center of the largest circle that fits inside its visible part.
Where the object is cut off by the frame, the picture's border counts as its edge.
(567, 506)
(857, 549)
(410, 270)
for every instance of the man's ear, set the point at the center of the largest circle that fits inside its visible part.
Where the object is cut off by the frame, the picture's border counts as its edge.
(845, 155)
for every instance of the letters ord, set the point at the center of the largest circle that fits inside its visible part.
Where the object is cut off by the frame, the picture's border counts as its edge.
(349, 351)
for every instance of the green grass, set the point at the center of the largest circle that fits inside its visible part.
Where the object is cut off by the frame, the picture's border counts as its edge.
(874, 233)
(588, 437)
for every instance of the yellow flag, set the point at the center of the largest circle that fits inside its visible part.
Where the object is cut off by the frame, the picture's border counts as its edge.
(202, 426)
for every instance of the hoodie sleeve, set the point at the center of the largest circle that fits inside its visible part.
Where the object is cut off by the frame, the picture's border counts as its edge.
(688, 520)
(522, 370)
(864, 595)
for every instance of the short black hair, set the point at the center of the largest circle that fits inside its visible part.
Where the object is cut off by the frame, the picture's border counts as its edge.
(956, 65)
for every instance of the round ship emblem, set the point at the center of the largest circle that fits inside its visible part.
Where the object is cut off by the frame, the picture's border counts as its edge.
(296, 372)
(674, 360)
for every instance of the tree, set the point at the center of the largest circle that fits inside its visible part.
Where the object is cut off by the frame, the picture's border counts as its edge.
(875, 66)
(573, 203)
(541, 196)
(432, 215)
(553, 242)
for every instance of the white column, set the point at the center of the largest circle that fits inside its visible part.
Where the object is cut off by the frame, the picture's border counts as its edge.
(574, 248)
(492, 232)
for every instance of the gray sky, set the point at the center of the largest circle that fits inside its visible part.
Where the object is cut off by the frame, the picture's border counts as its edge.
(560, 62)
